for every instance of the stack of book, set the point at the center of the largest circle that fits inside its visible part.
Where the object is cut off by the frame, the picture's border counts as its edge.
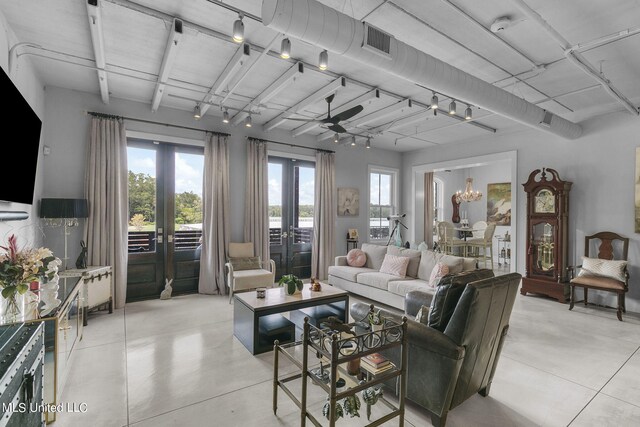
(376, 363)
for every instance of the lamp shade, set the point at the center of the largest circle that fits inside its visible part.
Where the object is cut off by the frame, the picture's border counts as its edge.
(63, 208)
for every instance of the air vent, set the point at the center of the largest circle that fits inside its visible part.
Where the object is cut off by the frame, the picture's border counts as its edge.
(377, 41)
(546, 120)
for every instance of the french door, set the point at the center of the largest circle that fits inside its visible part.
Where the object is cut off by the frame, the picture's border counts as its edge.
(291, 195)
(165, 218)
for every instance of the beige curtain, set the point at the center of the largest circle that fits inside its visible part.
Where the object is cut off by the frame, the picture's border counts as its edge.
(256, 204)
(106, 190)
(428, 209)
(324, 215)
(215, 218)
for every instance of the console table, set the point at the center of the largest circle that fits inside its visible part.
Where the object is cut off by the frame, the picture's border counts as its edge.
(98, 287)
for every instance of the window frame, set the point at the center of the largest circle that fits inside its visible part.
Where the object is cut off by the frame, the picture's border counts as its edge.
(394, 197)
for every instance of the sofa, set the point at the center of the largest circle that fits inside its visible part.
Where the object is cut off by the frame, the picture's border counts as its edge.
(454, 354)
(388, 289)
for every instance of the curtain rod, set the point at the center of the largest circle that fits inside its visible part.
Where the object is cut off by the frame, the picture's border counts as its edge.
(321, 150)
(133, 119)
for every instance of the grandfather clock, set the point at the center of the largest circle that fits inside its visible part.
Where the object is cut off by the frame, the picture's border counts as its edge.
(547, 235)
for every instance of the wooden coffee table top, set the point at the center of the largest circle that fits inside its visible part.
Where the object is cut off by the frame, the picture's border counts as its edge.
(278, 297)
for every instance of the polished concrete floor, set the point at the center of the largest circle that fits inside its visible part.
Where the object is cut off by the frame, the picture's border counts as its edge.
(176, 363)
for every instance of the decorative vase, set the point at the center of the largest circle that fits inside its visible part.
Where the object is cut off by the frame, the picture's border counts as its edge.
(12, 308)
(376, 328)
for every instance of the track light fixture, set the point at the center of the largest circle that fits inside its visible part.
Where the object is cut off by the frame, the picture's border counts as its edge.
(434, 101)
(353, 141)
(196, 112)
(225, 116)
(452, 107)
(247, 121)
(467, 113)
(368, 144)
(238, 29)
(285, 49)
(323, 61)
(336, 138)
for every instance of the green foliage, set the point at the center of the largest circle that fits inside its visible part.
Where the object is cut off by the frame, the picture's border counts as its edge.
(142, 196)
(306, 211)
(137, 221)
(375, 318)
(290, 282)
(188, 208)
(377, 211)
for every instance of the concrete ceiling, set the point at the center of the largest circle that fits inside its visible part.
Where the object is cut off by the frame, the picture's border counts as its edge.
(522, 59)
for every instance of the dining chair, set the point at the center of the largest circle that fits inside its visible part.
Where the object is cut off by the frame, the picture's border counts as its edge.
(447, 234)
(485, 243)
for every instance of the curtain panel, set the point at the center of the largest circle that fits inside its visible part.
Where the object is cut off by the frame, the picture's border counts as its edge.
(106, 190)
(216, 227)
(324, 215)
(256, 204)
(428, 209)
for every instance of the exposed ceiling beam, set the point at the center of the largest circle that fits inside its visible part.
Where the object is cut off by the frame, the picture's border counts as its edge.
(321, 93)
(274, 88)
(230, 71)
(362, 99)
(97, 38)
(400, 123)
(168, 59)
(402, 106)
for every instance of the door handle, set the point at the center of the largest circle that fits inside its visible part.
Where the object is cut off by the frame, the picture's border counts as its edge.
(285, 235)
(170, 238)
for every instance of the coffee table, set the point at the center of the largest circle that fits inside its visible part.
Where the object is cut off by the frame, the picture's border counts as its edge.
(248, 310)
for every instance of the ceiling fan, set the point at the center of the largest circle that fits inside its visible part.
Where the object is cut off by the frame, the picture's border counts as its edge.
(333, 123)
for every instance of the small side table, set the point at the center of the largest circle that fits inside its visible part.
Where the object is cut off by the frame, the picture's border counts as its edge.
(504, 250)
(352, 242)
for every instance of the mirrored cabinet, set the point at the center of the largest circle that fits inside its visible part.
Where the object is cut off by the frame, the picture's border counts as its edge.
(547, 234)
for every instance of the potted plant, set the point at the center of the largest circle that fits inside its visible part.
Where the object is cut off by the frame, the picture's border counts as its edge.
(375, 319)
(291, 283)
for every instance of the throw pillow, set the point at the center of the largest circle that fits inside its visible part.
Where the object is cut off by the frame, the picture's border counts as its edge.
(375, 255)
(356, 258)
(447, 294)
(423, 246)
(395, 265)
(423, 315)
(603, 267)
(439, 271)
(414, 258)
(249, 263)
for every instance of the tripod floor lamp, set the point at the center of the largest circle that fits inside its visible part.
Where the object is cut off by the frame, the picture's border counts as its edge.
(63, 212)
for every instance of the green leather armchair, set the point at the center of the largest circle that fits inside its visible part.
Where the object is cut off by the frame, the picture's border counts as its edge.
(448, 366)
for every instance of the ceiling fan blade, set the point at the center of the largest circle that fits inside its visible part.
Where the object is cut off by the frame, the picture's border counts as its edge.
(337, 128)
(303, 120)
(346, 115)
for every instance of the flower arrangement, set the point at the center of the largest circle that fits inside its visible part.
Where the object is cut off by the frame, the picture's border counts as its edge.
(19, 268)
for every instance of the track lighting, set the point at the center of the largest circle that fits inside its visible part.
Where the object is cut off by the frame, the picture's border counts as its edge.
(238, 30)
(434, 101)
(323, 61)
(368, 144)
(467, 113)
(285, 49)
(247, 121)
(353, 141)
(225, 116)
(452, 107)
(336, 138)
(196, 112)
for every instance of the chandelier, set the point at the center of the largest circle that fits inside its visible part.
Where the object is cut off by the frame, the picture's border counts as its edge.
(469, 195)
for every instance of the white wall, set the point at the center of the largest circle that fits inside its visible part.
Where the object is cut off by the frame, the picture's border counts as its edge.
(601, 165)
(66, 132)
(29, 84)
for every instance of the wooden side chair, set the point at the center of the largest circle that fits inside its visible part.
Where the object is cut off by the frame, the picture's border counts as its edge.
(606, 275)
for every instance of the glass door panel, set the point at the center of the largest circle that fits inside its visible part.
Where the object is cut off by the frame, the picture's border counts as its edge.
(543, 247)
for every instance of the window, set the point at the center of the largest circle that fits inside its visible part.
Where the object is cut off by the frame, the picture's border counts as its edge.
(438, 200)
(382, 202)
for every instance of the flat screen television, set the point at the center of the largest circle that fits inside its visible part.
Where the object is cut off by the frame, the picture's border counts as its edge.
(22, 149)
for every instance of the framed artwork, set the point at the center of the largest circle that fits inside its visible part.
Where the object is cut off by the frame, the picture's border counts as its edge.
(348, 201)
(499, 203)
(353, 233)
(637, 187)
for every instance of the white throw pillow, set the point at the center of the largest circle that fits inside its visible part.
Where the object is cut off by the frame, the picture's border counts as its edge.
(395, 265)
(438, 272)
(603, 267)
(412, 254)
(375, 255)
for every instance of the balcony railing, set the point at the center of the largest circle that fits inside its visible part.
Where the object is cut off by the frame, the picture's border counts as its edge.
(145, 241)
(300, 235)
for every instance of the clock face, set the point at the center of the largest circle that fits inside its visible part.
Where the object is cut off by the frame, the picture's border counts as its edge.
(545, 202)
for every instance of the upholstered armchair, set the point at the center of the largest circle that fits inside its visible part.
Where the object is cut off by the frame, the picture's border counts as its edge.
(246, 271)
(457, 356)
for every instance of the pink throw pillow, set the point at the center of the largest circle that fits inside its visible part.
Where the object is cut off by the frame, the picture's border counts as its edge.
(356, 258)
(395, 265)
(439, 271)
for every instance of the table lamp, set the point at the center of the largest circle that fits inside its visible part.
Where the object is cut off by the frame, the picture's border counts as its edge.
(59, 212)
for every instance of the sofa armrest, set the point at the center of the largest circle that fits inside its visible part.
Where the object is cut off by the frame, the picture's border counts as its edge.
(341, 260)
(414, 300)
